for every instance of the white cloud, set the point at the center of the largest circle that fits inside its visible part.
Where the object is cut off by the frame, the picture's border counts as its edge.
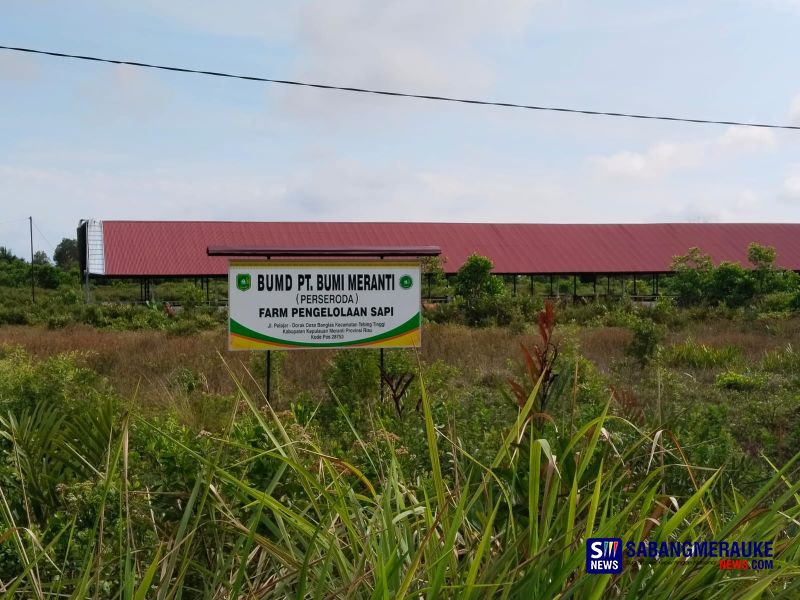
(663, 158)
(658, 160)
(746, 139)
(414, 45)
(715, 205)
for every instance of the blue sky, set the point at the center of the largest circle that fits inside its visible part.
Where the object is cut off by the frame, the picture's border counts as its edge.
(89, 140)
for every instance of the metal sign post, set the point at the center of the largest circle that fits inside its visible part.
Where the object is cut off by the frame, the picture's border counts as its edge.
(269, 374)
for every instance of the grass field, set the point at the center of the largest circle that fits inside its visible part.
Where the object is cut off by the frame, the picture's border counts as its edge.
(147, 463)
(148, 358)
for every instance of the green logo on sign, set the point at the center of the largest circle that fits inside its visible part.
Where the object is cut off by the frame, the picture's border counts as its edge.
(406, 282)
(243, 281)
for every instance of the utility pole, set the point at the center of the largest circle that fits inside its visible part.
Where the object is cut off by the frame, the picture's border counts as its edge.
(33, 285)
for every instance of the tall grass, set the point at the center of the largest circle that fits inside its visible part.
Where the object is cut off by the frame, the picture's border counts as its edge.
(317, 527)
(785, 359)
(700, 356)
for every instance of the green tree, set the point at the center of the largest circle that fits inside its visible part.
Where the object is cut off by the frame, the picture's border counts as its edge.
(433, 275)
(478, 288)
(7, 256)
(475, 278)
(692, 276)
(763, 260)
(66, 253)
(731, 284)
(40, 258)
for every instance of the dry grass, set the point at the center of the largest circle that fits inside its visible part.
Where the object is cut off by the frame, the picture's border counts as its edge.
(603, 345)
(753, 338)
(476, 352)
(149, 358)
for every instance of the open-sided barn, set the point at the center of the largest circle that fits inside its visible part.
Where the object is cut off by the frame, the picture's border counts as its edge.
(162, 249)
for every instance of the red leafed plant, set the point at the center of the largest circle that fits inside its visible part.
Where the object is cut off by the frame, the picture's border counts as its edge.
(540, 360)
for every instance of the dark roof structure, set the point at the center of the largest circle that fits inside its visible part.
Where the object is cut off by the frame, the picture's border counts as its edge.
(179, 248)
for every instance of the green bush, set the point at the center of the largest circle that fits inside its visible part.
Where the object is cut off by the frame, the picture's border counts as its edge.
(191, 296)
(479, 291)
(731, 285)
(353, 379)
(794, 304)
(731, 380)
(58, 321)
(13, 316)
(647, 336)
(697, 281)
(449, 312)
(776, 302)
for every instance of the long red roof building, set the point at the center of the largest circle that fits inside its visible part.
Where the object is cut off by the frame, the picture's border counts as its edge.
(179, 248)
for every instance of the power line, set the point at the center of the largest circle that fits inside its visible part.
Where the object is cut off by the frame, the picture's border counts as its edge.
(44, 237)
(402, 94)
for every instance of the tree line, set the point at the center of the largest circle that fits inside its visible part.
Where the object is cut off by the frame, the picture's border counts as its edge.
(16, 271)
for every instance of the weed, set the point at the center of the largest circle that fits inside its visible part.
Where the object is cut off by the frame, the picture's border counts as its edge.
(731, 380)
(700, 356)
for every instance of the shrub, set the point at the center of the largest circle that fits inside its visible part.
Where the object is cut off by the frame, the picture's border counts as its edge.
(69, 296)
(730, 284)
(776, 302)
(258, 369)
(794, 304)
(58, 321)
(449, 312)
(706, 438)
(731, 380)
(354, 377)
(647, 335)
(697, 281)
(13, 316)
(191, 296)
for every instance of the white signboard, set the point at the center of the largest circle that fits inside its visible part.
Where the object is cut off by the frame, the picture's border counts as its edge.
(323, 304)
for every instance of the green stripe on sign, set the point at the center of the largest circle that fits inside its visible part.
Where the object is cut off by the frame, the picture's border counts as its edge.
(410, 325)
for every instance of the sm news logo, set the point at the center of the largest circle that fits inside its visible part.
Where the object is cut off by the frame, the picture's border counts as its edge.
(604, 555)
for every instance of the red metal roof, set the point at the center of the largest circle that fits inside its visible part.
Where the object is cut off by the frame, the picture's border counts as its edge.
(178, 248)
